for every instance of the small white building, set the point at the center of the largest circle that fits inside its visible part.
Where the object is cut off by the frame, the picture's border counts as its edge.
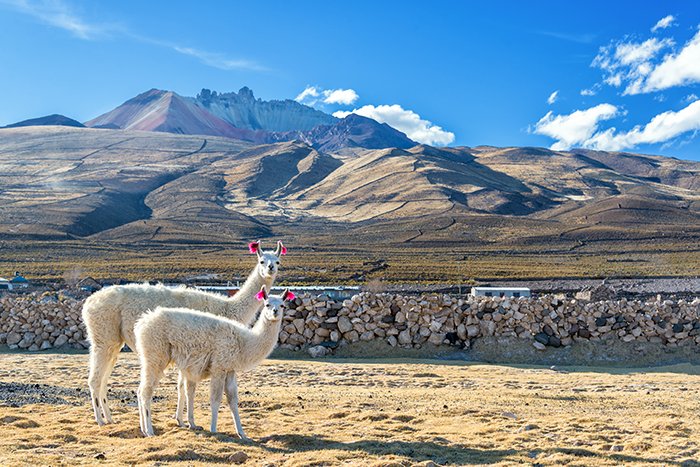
(5, 284)
(514, 292)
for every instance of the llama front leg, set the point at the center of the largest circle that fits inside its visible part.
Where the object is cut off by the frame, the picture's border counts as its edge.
(216, 393)
(232, 397)
(190, 387)
(181, 398)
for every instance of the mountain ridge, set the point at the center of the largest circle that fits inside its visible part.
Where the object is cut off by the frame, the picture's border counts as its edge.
(167, 111)
(184, 188)
(243, 110)
(53, 119)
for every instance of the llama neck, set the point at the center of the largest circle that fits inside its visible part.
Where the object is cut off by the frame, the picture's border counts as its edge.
(244, 304)
(260, 342)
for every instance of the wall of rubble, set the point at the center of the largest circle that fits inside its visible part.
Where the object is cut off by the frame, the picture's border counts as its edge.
(546, 321)
(38, 322)
(41, 322)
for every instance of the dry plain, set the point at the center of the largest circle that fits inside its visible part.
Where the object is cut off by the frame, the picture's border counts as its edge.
(363, 412)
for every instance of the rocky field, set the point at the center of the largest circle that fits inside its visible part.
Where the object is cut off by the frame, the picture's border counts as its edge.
(372, 412)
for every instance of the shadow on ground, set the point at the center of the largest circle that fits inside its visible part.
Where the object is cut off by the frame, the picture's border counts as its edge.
(416, 450)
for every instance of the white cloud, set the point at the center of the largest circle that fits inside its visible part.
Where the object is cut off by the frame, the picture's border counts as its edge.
(577, 127)
(340, 96)
(407, 121)
(664, 23)
(584, 38)
(313, 95)
(580, 128)
(592, 91)
(217, 60)
(661, 128)
(309, 93)
(678, 69)
(58, 14)
(553, 97)
(690, 97)
(629, 62)
(642, 68)
(640, 53)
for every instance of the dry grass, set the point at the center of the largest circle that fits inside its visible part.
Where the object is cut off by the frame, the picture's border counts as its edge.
(443, 263)
(368, 413)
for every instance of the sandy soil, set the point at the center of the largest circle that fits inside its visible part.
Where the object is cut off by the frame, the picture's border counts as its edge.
(344, 412)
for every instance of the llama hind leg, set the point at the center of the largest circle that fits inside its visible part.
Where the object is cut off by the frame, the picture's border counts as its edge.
(102, 360)
(181, 400)
(114, 354)
(149, 380)
(232, 397)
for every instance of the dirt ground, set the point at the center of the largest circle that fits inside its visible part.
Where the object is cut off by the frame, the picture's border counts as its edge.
(369, 412)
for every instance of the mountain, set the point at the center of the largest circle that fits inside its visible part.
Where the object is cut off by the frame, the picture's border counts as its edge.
(353, 131)
(168, 112)
(146, 186)
(54, 119)
(243, 110)
(241, 116)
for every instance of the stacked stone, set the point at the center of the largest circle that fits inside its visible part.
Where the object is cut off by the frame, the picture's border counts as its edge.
(407, 321)
(37, 322)
(41, 322)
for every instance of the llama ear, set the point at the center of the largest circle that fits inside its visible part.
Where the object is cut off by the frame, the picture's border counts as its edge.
(288, 296)
(281, 249)
(254, 247)
(262, 295)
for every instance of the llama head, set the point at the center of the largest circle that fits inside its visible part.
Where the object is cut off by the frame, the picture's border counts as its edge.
(275, 305)
(268, 261)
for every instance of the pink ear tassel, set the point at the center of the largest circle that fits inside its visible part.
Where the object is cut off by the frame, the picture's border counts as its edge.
(254, 247)
(283, 251)
(260, 295)
(289, 296)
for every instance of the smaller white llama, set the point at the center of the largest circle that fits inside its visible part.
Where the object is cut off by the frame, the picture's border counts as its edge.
(203, 345)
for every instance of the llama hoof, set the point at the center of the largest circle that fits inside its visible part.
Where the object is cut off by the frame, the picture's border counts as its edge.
(180, 423)
(195, 427)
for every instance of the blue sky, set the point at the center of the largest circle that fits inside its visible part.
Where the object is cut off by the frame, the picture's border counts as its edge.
(451, 72)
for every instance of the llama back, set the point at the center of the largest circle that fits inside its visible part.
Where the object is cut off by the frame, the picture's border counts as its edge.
(114, 310)
(187, 337)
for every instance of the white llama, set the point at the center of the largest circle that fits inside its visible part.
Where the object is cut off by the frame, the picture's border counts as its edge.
(203, 345)
(110, 314)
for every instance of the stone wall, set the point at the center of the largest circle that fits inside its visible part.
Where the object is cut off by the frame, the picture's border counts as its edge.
(37, 322)
(546, 321)
(40, 322)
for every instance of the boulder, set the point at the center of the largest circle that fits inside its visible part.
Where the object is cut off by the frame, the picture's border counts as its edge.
(13, 338)
(318, 351)
(344, 324)
(405, 337)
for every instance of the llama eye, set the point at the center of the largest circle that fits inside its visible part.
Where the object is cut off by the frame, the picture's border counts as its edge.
(277, 262)
(262, 262)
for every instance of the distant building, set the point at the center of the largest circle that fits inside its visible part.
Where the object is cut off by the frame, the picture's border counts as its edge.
(514, 292)
(5, 284)
(19, 282)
